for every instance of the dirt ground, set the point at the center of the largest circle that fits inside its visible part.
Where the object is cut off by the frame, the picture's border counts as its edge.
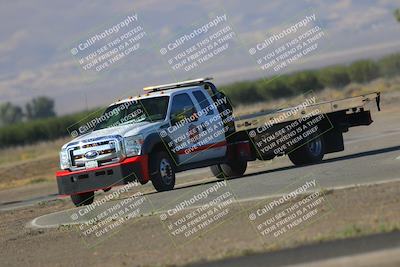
(146, 242)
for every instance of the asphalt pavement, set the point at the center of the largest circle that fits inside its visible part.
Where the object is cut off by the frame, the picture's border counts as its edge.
(372, 155)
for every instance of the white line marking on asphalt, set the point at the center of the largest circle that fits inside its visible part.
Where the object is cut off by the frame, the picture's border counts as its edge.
(33, 223)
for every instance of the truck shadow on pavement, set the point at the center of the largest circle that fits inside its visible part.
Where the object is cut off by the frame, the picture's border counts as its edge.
(340, 158)
(178, 187)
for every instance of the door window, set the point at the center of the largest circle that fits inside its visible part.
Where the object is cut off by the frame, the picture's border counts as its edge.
(203, 102)
(182, 109)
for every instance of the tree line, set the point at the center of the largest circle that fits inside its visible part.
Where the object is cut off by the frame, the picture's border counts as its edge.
(38, 108)
(338, 76)
(37, 120)
(44, 129)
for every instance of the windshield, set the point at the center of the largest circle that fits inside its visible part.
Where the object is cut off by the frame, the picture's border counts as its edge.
(148, 109)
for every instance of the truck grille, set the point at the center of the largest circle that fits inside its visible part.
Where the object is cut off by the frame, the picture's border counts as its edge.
(104, 150)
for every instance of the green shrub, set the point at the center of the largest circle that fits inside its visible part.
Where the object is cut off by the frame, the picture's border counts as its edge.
(39, 130)
(363, 71)
(243, 92)
(335, 76)
(276, 87)
(304, 81)
(390, 65)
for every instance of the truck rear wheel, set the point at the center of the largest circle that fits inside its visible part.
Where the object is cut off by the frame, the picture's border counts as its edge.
(217, 171)
(310, 153)
(162, 172)
(83, 199)
(230, 169)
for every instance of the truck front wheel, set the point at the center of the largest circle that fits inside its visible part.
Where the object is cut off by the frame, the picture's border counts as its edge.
(162, 172)
(235, 168)
(83, 199)
(310, 153)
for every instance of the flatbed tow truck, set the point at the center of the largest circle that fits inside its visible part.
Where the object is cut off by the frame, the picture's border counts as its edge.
(191, 124)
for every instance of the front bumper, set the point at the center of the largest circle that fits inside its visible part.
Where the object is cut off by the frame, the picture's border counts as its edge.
(128, 170)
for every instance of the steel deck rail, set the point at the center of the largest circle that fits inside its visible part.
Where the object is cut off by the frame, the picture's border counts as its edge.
(252, 121)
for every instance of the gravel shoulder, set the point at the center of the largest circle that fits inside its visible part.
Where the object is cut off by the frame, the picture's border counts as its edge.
(145, 241)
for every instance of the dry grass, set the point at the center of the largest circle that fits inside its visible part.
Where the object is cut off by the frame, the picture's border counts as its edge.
(30, 164)
(24, 182)
(27, 153)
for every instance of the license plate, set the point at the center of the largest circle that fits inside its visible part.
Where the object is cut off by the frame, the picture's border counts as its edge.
(91, 164)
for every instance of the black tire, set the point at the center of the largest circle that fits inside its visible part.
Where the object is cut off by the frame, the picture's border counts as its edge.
(310, 153)
(162, 171)
(217, 171)
(83, 199)
(232, 169)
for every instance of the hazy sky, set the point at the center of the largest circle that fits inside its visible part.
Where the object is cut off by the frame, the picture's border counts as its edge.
(36, 38)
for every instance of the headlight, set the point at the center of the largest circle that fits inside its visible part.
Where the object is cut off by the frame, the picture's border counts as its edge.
(133, 145)
(64, 161)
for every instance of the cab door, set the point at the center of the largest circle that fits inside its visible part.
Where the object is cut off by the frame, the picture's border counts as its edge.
(182, 117)
(209, 128)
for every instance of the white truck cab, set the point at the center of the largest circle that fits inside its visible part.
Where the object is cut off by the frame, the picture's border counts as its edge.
(170, 128)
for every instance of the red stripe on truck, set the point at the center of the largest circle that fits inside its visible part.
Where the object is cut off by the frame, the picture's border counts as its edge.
(200, 148)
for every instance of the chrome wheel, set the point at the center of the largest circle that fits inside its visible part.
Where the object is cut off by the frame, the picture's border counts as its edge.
(166, 171)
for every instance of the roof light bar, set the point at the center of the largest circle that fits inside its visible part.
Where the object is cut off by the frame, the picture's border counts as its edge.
(177, 85)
